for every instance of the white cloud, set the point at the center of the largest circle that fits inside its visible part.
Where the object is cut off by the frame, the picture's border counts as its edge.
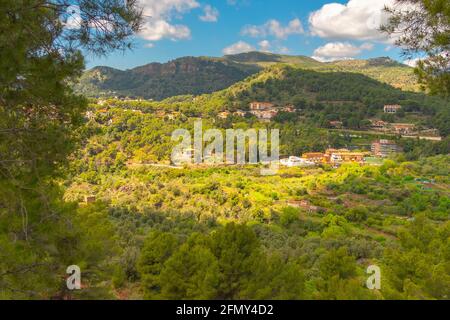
(366, 46)
(158, 16)
(264, 46)
(238, 2)
(238, 47)
(164, 8)
(157, 30)
(73, 18)
(441, 60)
(356, 20)
(339, 51)
(210, 14)
(284, 50)
(412, 62)
(274, 28)
(272, 47)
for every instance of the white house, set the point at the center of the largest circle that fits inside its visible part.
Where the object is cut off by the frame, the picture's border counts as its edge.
(296, 162)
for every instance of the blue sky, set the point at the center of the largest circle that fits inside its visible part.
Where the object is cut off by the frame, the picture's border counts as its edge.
(325, 29)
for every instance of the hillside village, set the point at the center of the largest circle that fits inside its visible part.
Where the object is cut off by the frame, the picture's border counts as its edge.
(380, 149)
(268, 111)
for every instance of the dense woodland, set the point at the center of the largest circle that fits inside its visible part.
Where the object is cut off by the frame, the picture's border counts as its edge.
(160, 81)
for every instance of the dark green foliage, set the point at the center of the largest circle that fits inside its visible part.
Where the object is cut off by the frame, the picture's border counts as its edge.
(158, 247)
(191, 273)
(226, 264)
(40, 234)
(159, 81)
(424, 30)
(420, 266)
(194, 233)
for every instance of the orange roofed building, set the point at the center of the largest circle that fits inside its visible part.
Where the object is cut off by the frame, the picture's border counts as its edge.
(335, 156)
(338, 157)
(316, 157)
(403, 128)
(343, 155)
(224, 115)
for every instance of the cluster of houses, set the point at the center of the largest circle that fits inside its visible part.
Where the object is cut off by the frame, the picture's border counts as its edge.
(335, 156)
(265, 111)
(380, 149)
(404, 129)
(104, 101)
(395, 128)
(401, 129)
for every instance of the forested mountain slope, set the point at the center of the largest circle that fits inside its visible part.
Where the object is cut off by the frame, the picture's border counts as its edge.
(158, 81)
(382, 69)
(199, 75)
(344, 96)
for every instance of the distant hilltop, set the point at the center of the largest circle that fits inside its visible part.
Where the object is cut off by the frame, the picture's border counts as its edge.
(200, 75)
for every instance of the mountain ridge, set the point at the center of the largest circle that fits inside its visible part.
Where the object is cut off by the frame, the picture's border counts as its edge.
(200, 75)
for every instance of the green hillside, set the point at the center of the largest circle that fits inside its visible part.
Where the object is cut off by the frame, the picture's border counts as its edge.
(319, 96)
(264, 59)
(382, 69)
(158, 81)
(199, 75)
(289, 84)
(326, 96)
